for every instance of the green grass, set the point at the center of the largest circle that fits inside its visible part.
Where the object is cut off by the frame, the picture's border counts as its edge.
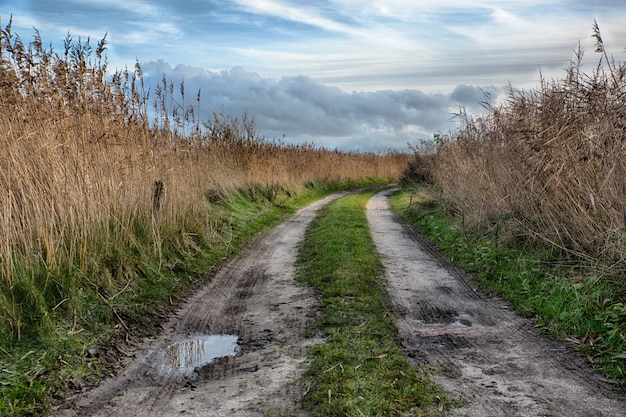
(359, 370)
(124, 287)
(567, 299)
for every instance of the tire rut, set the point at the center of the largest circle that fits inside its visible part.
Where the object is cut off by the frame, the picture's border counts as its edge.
(254, 297)
(486, 355)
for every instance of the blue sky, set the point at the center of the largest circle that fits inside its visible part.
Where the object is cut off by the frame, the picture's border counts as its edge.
(347, 74)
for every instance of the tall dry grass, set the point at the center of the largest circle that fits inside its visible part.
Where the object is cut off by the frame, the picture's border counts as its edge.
(85, 157)
(549, 164)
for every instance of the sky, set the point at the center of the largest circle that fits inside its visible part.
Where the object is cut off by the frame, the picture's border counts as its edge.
(357, 75)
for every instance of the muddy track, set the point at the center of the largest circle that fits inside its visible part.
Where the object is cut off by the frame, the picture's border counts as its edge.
(486, 355)
(253, 297)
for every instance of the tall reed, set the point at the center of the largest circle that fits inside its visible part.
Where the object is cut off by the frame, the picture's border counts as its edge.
(89, 163)
(549, 164)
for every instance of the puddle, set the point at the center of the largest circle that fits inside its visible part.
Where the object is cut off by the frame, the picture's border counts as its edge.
(186, 355)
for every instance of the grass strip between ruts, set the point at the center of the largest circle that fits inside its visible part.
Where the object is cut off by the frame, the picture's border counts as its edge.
(359, 370)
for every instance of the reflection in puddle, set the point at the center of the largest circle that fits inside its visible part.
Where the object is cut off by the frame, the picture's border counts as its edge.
(188, 354)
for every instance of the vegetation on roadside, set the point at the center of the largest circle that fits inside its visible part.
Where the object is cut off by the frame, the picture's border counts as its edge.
(568, 300)
(359, 370)
(117, 198)
(547, 166)
(75, 351)
(530, 199)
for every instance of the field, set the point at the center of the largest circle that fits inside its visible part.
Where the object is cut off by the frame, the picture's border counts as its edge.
(548, 165)
(119, 202)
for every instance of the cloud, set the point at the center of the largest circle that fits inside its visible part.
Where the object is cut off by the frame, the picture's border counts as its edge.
(304, 110)
(431, 45)
(138, 7)
(473, 97)
(308, 16)
(341, 73)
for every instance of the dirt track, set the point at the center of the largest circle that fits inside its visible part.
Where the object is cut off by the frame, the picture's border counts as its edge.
(254, 297)
(486, 354)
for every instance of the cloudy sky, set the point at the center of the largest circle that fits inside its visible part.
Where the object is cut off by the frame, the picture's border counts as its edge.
(346, 74)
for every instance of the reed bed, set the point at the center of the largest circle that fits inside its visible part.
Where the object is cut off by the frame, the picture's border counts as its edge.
(548, 166)
(88, 159)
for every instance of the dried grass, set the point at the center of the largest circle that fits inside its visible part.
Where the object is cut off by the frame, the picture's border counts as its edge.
(81, 151)
(550, 163)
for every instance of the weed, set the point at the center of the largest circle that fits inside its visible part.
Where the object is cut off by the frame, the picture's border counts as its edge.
(113, 204)
(547, 166)
(537, 188)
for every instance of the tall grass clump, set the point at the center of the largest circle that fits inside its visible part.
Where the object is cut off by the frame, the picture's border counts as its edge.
(537, 191)
(419, 168)
(99, 173)
(547, 167)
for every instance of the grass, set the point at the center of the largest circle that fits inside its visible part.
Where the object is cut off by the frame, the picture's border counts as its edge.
(89, 168)
(568, 300)
(359, 370)
(530, 200)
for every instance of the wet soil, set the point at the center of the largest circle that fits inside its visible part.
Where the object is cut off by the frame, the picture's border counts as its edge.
(487, 356)
(253, 298)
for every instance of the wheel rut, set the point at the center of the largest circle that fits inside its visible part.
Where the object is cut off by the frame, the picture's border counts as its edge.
(253, 297)
(492, 359)
(484, 354)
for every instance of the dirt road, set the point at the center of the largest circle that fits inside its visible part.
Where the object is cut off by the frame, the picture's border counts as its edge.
(487, 356)
(253, 297)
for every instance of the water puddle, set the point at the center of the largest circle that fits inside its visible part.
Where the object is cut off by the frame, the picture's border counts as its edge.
(186, 355)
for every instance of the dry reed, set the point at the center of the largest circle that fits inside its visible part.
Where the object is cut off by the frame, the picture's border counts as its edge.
(84, 156)
(549, 164)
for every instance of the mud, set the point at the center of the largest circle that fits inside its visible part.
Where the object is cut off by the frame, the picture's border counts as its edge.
(255, 299)
(492, 359)
(484, 354)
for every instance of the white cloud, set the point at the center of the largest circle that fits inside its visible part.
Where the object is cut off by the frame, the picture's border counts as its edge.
(141, 7)
(337, 71)
(145, 33)
(308, 16)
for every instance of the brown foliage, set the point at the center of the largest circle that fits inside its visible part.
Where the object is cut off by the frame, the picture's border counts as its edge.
(80, 148)
(549, 162)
